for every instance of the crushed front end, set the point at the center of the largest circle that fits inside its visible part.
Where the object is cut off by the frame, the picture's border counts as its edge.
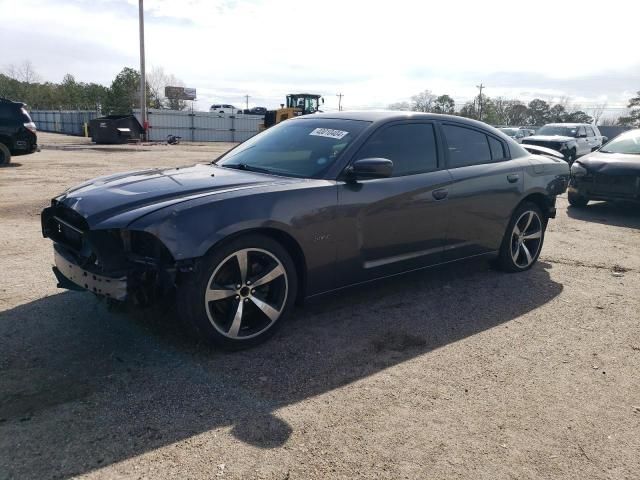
(119, 264)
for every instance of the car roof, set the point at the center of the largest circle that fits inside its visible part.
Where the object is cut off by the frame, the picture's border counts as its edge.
(382, 116)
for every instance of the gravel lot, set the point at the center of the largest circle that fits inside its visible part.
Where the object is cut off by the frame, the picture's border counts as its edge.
(461, 372)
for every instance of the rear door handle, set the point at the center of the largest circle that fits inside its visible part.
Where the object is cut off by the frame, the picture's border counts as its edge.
(440, 194)
(513, 177)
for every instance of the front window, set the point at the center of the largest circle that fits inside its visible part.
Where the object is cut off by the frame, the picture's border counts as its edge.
(627, 143)
(558, 130)
(298, 148)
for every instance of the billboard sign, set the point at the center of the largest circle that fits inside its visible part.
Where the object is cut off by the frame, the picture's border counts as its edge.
(180, 93)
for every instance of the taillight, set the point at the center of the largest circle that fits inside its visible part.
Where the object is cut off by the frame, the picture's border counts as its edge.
(30, 126)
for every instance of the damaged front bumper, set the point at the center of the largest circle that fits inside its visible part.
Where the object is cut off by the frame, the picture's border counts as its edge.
(73, 277)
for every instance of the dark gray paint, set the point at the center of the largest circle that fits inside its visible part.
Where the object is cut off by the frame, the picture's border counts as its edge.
(348, 232)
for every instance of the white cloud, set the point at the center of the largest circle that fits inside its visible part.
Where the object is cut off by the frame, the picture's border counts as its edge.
(373, 52)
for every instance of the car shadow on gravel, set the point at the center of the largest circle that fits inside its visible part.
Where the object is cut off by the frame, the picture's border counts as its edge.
(608, 213)
(83, 386)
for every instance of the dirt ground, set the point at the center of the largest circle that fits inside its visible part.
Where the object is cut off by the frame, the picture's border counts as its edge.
(461, 372)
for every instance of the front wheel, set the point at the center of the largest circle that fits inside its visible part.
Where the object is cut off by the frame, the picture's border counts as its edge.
(5, 154)
(577, 200)
(241, 293)
(523, 239)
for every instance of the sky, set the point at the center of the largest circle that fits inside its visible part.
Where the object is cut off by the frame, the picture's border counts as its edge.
(374, 53)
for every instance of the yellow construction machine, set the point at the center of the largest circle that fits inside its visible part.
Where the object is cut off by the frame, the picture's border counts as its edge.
(297, 104)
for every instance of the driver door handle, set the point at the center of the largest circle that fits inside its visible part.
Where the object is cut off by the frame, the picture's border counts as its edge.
(513, 177)
(440, 194)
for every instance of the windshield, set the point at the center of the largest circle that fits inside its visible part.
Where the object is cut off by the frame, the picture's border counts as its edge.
(628, 143)
(558, 130)
(299, 148)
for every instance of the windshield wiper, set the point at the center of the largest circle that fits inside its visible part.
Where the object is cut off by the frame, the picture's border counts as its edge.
(248, 168)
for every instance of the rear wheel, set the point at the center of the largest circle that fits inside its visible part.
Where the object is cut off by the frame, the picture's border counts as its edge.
(241, 293)
(523, 239)
(5, 154)
(577, 200)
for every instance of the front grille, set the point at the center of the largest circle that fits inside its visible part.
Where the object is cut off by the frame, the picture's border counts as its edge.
(623, 185)
(551, 145)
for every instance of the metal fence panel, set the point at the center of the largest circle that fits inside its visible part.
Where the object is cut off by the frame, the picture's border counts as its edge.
(62, 121)
(613, 131)
(201, 126)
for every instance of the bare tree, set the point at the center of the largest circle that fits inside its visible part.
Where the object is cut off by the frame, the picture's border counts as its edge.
(597, 111)
(24, 72)
(423, 101)
(157, 79)
(609, 121)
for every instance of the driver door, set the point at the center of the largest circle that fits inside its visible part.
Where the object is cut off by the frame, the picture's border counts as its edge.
(391, 225)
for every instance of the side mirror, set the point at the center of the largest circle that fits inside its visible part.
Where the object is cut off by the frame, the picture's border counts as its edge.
(605, 140)
(368, 168)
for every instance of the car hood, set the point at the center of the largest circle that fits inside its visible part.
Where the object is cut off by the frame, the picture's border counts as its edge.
(548, 138)
(611, 163)
(145, 191)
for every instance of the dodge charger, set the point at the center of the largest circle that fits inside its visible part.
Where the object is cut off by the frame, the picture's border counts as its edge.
(315, 204)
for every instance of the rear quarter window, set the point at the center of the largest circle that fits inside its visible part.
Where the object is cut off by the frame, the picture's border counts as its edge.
(466, 146)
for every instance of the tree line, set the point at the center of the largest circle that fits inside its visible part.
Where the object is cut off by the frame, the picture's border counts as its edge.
(510, 112)
(22, 83)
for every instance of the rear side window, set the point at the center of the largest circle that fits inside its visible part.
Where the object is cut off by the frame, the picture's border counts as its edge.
(411, 147)
(581, 131)
(6, 111)
(590, 132)
(497, 149)
(466, 146)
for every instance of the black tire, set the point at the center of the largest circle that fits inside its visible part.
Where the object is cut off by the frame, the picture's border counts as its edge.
(512, 241)
(577, 200)
(215, 321)
(5, 154)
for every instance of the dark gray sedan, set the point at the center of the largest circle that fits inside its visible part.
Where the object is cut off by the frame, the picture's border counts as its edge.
(611, 173)
(312, 205)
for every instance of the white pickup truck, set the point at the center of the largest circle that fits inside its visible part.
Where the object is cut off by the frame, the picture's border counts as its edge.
(571, 139)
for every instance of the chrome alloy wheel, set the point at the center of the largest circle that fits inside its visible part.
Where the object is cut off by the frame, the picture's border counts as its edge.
(526, 239)
(246, 293)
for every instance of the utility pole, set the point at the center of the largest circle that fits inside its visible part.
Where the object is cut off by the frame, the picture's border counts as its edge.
(247, 100)
(143, 78)
(481, 86)
(339, 95)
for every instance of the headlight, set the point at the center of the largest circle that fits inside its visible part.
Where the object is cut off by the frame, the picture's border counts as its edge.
(577, 170)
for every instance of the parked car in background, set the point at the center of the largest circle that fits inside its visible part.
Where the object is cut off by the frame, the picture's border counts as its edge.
(223, 108)
(514, 132)
(256, 111)
(571, 139)
(313, 204)
(611, 173)
(17, 131)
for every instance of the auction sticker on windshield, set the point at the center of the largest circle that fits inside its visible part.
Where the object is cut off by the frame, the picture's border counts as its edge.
(329, 133)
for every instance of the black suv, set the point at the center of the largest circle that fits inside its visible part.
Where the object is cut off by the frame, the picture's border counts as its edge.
(17, 130)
